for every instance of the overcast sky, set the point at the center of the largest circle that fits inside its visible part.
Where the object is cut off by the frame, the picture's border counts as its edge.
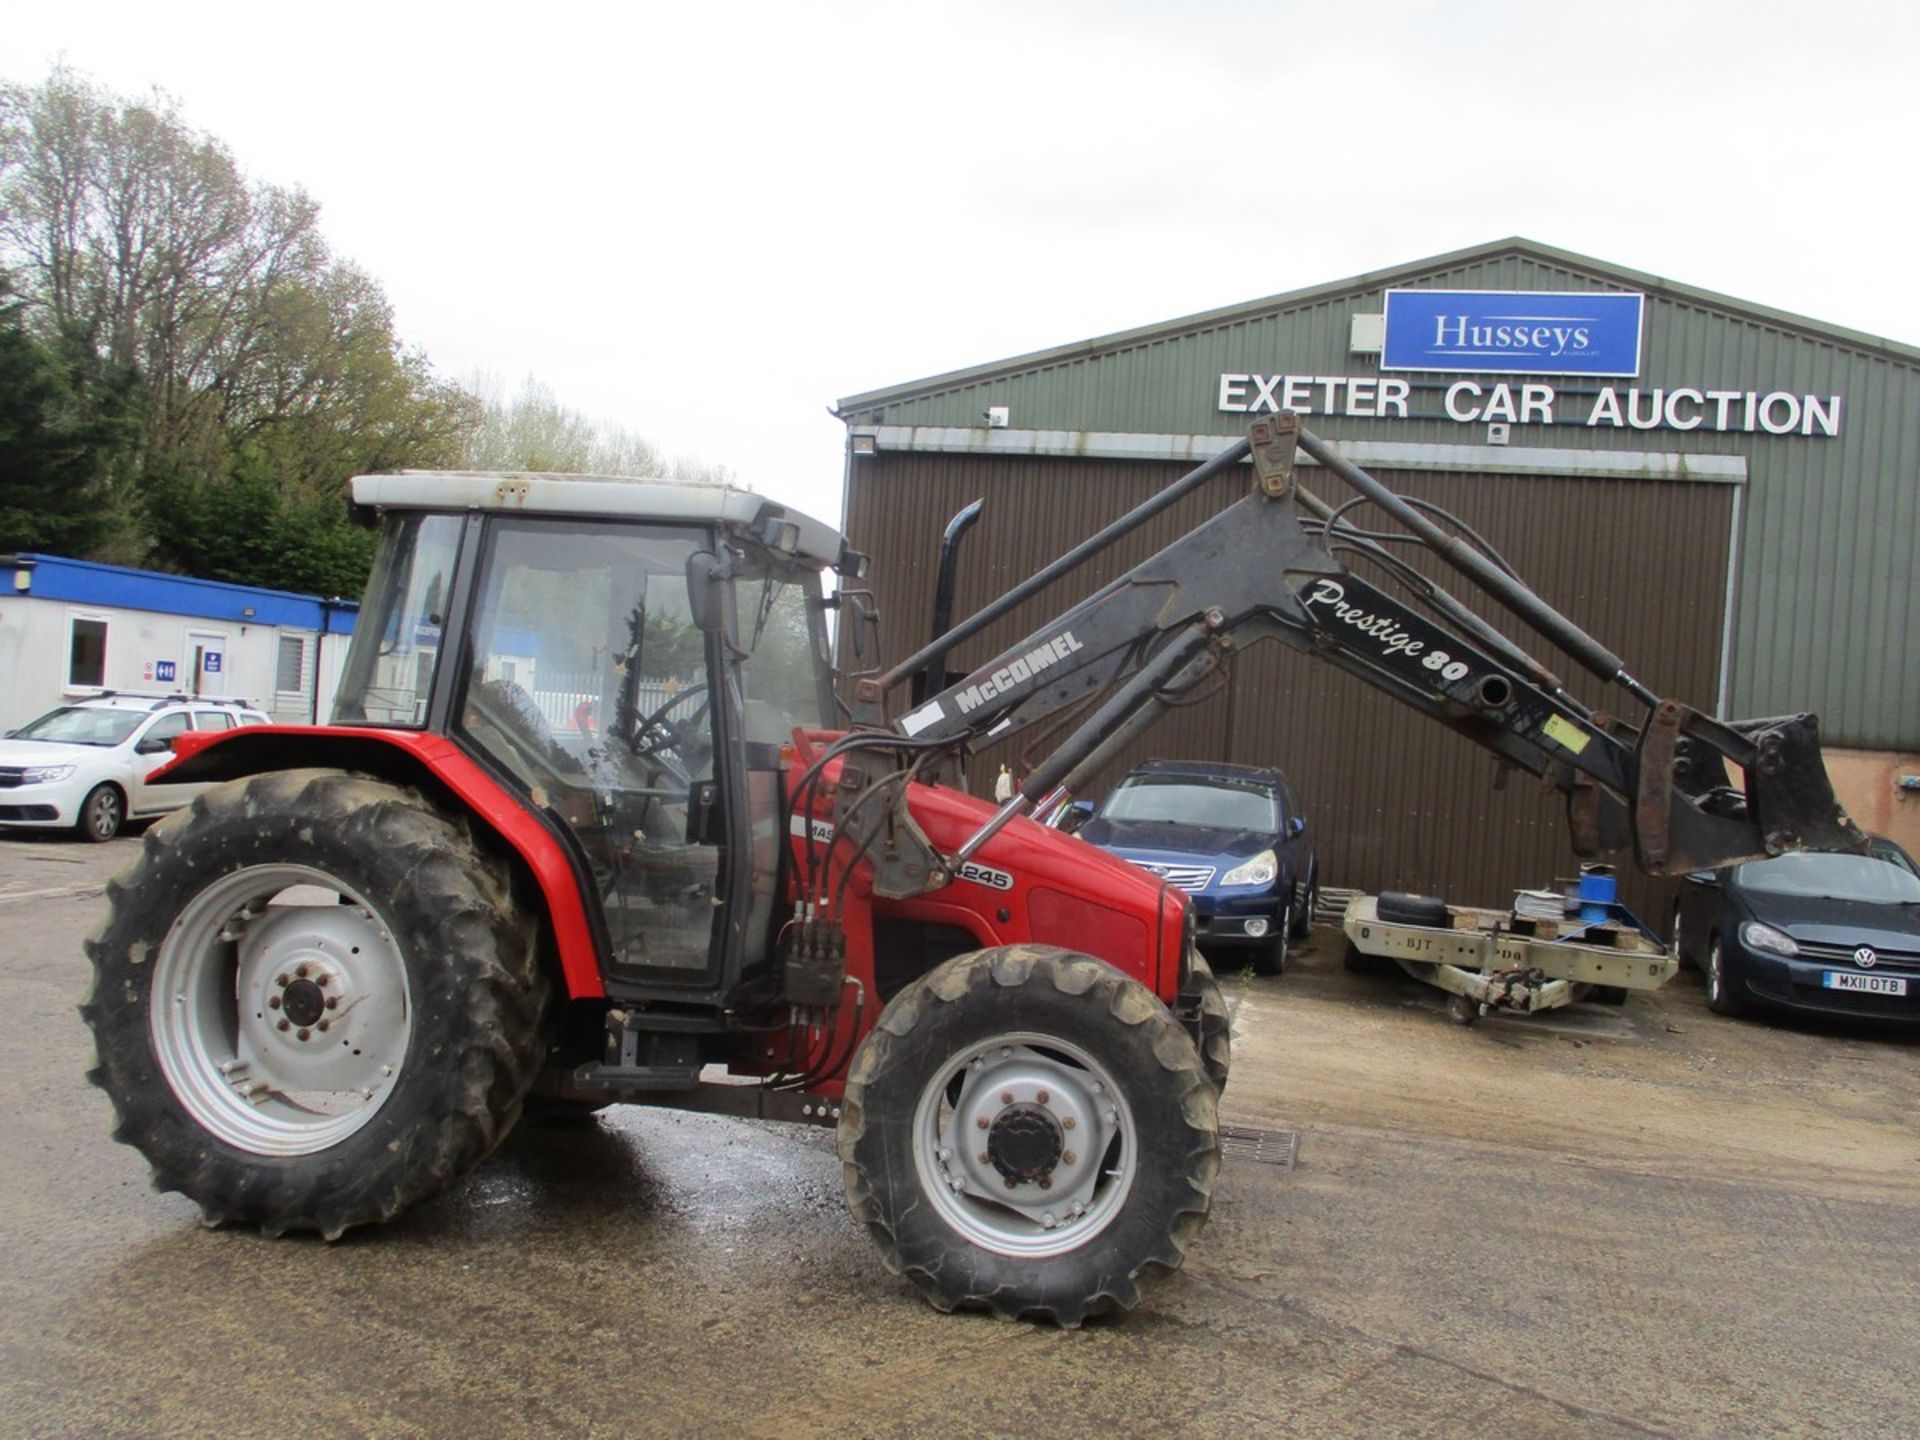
(708, 222)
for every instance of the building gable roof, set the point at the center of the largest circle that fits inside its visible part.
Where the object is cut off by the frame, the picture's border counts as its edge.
(852, 407)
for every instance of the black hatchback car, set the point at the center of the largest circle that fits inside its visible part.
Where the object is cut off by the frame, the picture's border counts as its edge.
(1234, 837)
(1825, 934)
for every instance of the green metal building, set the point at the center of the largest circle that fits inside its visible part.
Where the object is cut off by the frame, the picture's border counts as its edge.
(1727, 495)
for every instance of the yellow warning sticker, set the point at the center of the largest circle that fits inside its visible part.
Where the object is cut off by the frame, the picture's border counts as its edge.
(1566, 734)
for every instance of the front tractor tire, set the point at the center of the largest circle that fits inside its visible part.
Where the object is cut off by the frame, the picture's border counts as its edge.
(1209, 1023)
(1028, 1131)
(313, 1002)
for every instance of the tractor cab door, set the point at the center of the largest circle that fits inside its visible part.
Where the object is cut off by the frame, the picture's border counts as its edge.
(652, 737)
(587, 682)
(780, 678)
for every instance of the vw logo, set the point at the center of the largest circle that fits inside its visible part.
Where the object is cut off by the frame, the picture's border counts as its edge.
(1865, 958)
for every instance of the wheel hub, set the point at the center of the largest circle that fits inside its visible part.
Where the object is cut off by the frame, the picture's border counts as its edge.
(327, 998)
(304, 1001)
(287, 1016)
(1025, 1143)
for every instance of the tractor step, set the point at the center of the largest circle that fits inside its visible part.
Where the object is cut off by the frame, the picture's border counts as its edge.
(639, 1057)
(633, 1079)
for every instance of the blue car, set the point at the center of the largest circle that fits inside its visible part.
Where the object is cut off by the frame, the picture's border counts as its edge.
(1233, 837)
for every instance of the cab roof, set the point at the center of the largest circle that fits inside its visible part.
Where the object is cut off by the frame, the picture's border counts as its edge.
(525, 492)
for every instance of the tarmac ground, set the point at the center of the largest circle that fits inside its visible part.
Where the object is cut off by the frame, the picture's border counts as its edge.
(1632, 1221)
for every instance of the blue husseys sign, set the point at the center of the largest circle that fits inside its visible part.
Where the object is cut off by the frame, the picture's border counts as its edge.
(1516, 332)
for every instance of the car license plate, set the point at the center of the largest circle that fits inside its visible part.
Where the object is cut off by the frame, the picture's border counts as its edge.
(1871, 984)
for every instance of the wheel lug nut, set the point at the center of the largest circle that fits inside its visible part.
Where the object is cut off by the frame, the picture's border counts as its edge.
(1011, 1182)
(1006, 1097)
(301, 971)
(1046, 1182)
(333, 1002)
(322, 1026)
(286, 1024)
(1043, 1097)
(273, 1002)
(981, 1122)
(1067, 1158)
(283, 980)
(323, 978)
(985, 1159)
(304, 1033)
(1067, 1122)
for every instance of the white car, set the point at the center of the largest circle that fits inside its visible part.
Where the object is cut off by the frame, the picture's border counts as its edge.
(84, 766)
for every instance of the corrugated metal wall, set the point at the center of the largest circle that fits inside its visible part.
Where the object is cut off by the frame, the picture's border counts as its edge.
(1398, 801)
(1828, 595)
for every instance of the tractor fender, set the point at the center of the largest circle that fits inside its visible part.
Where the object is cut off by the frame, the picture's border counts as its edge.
(439, 768)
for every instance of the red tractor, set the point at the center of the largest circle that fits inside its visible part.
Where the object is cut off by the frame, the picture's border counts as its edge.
(595, 824)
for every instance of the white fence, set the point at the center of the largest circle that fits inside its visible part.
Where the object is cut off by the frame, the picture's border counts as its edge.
(559, 697)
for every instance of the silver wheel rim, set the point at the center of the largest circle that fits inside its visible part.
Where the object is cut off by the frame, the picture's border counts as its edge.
(1715, 981)
(103, 812)
(281, 1012)
(1047, 1087)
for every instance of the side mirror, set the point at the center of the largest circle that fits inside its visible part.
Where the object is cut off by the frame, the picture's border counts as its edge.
(1296, 826)
(154, 745)
(706, 590)
(857, 626)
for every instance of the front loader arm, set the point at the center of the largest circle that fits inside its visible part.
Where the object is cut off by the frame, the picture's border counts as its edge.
(1258, 570)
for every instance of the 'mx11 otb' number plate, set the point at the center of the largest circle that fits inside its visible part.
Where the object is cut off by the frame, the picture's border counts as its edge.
(1871, 984)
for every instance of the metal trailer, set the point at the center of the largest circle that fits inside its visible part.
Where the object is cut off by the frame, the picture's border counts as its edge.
(1501, 960)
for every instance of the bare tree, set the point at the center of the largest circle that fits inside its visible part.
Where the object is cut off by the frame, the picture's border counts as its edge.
(532, 430)
(262, 371)
(135, 232)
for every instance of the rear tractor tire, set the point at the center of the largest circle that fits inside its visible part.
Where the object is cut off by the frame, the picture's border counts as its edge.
(1028, 1131)
(313, 1002)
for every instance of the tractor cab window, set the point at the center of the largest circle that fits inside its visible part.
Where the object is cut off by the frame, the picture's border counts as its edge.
(396, 640)
(786, 675)
(586, 680)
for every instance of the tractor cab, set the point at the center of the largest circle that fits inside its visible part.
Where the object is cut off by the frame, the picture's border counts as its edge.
(628, 658)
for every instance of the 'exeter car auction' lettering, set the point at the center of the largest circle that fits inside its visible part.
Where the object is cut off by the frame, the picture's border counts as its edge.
(1473, 402)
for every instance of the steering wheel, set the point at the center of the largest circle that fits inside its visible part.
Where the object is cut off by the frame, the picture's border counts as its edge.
(655, 734)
